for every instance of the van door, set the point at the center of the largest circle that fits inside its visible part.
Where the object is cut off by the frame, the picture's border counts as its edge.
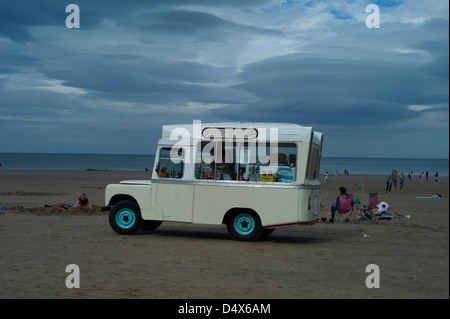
(173, 196)
(175, 200)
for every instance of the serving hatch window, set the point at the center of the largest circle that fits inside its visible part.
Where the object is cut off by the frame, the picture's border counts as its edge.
(268, 163)
(246, 161)
(216, 160)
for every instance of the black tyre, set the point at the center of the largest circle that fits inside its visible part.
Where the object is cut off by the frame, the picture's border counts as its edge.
(245, 226)
(266, 232)
(125, 217)
(150, 224)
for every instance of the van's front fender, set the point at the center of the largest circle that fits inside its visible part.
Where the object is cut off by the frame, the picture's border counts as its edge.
(139, 192)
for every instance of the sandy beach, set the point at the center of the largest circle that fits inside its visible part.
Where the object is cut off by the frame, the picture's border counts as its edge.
(195, 261)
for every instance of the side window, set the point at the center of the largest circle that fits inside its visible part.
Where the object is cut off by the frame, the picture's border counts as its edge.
(273, 165)
(204, 162)
(166, 167)
(314, 161)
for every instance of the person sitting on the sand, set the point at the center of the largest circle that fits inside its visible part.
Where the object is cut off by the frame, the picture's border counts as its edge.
(83, 201)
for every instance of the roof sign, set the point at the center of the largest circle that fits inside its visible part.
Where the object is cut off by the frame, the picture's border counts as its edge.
(229, 133)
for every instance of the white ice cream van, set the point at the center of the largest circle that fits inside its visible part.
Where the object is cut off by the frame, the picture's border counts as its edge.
(252, 177)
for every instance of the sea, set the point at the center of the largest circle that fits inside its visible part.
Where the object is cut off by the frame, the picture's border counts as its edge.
(373, 166)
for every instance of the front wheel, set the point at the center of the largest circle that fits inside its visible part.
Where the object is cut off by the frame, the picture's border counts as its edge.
(245, 226)
(125, 218)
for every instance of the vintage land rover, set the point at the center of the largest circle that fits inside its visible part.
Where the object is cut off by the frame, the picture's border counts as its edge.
(252, 177)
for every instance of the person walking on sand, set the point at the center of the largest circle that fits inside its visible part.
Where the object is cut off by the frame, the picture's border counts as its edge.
(401, 182)
(83, 201)
(326, 177)
(426, 176)
(389, 182)
(436, 177)
(395, 179)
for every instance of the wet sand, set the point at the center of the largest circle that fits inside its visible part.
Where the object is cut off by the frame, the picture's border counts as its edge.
(196, 261)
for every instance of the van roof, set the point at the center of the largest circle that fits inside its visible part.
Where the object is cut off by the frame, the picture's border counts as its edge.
(285, 131)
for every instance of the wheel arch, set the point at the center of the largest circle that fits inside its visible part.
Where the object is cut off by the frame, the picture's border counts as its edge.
(231, 212)
(121, 197)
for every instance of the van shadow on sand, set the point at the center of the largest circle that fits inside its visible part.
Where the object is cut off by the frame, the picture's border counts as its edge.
(222, 235)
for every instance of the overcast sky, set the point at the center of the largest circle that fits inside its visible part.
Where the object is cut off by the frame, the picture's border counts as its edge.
(132, 66)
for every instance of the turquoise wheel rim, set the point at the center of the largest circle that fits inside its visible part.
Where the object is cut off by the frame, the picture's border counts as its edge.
(125, 218)
(244, 224)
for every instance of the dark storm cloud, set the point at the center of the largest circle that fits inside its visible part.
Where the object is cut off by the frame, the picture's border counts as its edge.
(17, 16)
(438, 64)
(156, 62)
(199, 25)
(346, 91)
(125, 75)
(13, 62)
(141, 79)
(341, 87)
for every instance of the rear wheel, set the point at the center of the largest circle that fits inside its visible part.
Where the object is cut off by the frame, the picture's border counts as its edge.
(125, 217)
(245, 226)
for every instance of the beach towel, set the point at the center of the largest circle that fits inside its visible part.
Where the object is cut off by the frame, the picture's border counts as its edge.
(438, 196)
(388, 216)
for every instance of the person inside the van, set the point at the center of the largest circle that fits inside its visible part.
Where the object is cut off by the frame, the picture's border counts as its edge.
(225, 169)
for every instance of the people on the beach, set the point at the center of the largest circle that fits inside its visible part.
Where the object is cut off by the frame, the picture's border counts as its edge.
(389, 182)
(335, 206)
(395, 179)
(326, 177)
(401, 182)
(83, 201)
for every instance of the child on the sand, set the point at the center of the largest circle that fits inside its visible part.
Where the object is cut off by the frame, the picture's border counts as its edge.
(83, 201)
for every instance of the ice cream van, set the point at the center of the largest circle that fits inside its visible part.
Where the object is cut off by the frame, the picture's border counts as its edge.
(252, 177)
